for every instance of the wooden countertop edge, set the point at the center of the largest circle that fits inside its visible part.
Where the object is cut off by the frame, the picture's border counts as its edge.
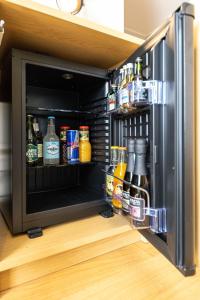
(54, 13)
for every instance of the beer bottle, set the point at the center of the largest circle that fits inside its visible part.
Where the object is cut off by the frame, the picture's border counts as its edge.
(31, 145)
(51, 149)
(117, 183)
(111, 169)
(39, 141)
(138, 199)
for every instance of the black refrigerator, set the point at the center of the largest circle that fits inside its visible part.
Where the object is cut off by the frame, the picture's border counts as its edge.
(42, 195)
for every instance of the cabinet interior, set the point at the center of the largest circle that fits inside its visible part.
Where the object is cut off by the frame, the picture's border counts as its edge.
(79, 100)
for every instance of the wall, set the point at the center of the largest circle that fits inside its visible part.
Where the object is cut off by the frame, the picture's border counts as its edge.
(143, 16)
(109, 13)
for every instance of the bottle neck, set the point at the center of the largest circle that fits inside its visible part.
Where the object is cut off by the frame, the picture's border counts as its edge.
(36, 127)
(130, 167)
(51, 129)
(140, 166)
(114, 157)
(138, 71)
(122, 156)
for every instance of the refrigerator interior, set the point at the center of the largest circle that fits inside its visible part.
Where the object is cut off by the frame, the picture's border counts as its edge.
(74, 102)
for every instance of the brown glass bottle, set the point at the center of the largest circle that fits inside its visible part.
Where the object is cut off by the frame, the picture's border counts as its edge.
(31, 145)
(138, 199)
(39, 141)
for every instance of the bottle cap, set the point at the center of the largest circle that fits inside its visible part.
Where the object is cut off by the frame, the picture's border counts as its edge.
(138, 59)
(131, 145)
(51, 117)
(130, 65)
(84, 127)
(29, 116)
(66, 127)
(140, 146)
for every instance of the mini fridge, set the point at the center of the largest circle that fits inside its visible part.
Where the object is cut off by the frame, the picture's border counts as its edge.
(40, 196)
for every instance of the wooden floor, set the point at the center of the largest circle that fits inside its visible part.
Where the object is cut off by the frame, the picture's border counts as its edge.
(137, 271)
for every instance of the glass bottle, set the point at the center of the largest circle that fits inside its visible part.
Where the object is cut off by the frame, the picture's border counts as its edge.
(139, 92)
(31, 145)
(85, 149)
(128, 176)
(120, 87)
(51, 150)
(112, 97)
(39, 141)
(127, 104)
(63, 143)
(138, 199)
(120, 173)
(124, 90)
(111, 169)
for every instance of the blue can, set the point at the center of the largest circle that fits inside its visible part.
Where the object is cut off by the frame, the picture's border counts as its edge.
(72, 145)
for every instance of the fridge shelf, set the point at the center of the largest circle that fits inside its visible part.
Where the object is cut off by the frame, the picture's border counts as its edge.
(62, 165)
(150, 218)
(57, 111)
(124, 114)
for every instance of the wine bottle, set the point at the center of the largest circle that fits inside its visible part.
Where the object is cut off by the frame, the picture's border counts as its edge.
(138, 198)
(128, 176)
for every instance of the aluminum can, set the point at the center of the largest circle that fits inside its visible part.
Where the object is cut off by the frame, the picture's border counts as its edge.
(72, 145)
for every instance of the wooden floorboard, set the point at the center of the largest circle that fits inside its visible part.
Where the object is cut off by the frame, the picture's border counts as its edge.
(19, 250)
(137, 271)
(36, 269)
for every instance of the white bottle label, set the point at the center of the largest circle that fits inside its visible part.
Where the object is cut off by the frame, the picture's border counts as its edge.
(137, 208)
(51, 150)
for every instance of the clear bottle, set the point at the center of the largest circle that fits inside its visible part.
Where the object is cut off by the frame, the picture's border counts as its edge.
(124, 90)
(121, 82)
(39, 141)
(51, 144)
(140, 97)
(129, 86)
(128, 176)
(138, 199)
(111, 169)
(112, 97)
(31, 145)
(120, 173)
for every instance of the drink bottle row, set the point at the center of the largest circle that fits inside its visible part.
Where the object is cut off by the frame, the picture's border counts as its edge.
(72, 145)
(131, 88)
(129, 164)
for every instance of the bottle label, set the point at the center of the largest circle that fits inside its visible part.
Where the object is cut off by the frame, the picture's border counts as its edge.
(111, 102)
(126, 200)
(124, 96)
(131, 91)
(51, 150)
(84, 135)
(117, 193)
(109, 185)
(63, 153)
(40, 150)
(137, 208)
(31, 153)
(63, 135)
(35, 127)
